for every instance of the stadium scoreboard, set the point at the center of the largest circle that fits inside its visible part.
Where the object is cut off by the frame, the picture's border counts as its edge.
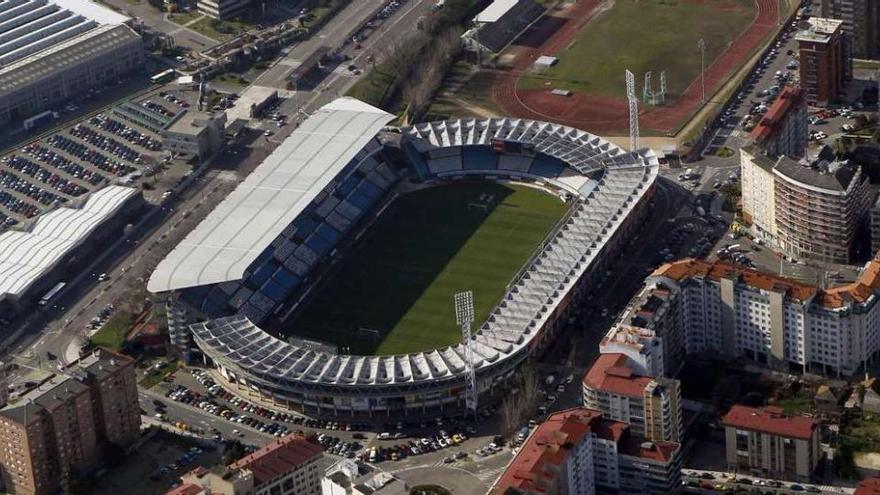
(511, 147)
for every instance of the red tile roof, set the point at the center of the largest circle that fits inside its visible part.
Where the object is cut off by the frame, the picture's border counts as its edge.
(186, 489)
(769, 124)
(835, 297)
(611, 373)
(278, 458)
(770, 420)
(547, 447)
(662, 452)
(868, 486)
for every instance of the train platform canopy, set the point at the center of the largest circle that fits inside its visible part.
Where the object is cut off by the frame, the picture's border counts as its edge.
(234, 234)
(25, 256)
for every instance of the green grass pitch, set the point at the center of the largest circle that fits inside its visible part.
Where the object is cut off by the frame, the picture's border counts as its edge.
(645, 35)
(400, 277)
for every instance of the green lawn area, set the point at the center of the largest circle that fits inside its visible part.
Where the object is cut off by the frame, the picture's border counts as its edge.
(798, 404)
(220, 30)
(154, 376)
(646, 35)
(375, 87)
(400, 277)
(184, 17)
(112, 334)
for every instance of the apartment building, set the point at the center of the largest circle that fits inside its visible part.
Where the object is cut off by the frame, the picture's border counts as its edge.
(875, 226)
(352, 477)
(825, 60)
(58, 426)
(288, 466)
(783, 130)
(651, 406)
(767, 443)
(860, 21)
(807, 209)
(578, 452)
(643, 347)
(737, 312)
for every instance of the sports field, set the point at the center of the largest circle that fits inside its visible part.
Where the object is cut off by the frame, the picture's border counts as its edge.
(398, 280)
(642, 36)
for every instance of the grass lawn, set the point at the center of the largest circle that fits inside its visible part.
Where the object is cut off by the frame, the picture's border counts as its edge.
(798, 404)
(155, 377)
(220, 30)
(647, 35)
(112, 334)
(183, 17)
(400, 277)
(375, 88)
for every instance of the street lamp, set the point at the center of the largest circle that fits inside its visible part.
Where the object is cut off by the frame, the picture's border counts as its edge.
(702, 46)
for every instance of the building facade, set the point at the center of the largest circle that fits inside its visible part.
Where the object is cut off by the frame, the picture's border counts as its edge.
(825, 60)
(875, 226)
(861, 22)
(578, 452)
(767, 443)
(650, 405)
(223, 9)
(195, 135)
(737, 312)
(810, 210)
(58, 427)
(783, 129)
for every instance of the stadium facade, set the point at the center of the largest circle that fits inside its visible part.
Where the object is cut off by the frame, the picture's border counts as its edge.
(254, 258)
(53, 50)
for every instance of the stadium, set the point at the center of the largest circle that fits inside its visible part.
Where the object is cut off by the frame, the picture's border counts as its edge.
(324, 282)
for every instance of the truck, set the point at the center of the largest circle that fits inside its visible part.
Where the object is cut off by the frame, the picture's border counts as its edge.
(39, 119)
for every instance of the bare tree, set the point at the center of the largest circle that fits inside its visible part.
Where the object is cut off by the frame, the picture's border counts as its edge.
(510, 414)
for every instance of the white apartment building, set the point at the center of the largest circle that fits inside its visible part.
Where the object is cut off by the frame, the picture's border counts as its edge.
(758, 192)
(770, 319)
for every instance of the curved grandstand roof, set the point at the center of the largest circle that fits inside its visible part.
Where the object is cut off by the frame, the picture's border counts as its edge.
(529, 303)
(26, 256)
(234, 234)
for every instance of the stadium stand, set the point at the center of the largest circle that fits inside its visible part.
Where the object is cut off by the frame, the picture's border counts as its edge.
(500, 23)
(275, 244)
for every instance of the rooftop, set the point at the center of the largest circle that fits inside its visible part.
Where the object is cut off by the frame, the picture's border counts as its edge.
(770, 420)
(234, 234)
(820, 30)
(829, 177)
(25, 256)
(279, 457)
(611, 373)
(549, 445)
(495, 10)
(771, 122)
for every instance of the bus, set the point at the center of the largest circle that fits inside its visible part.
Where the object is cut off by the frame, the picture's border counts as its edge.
(47, 297)
(39, 119)
(163, 77)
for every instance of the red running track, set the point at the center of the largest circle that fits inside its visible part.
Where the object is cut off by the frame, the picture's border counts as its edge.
(606, 114)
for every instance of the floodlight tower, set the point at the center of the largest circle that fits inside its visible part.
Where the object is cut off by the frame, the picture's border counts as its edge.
(702, 46)
(647, 89)
(633, 111)
(464, 317)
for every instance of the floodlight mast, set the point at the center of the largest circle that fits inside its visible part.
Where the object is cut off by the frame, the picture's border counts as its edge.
(633, 111)
(464, 317)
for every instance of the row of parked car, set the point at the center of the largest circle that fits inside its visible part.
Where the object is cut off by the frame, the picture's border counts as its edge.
(42, 175)
(130, 134)
(12, 182)
(19, 206)
(48, 157)
(207, 404)
(89, 155)
(337, 446)
(105, 143)
(160, 109)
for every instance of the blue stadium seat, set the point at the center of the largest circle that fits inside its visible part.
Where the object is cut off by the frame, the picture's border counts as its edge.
(286, 278)
(318, 244)
(369, 189)
(329, 233)
(479, 158)
(274, 291)
(361, 201)
(347, 186)
(546, 166)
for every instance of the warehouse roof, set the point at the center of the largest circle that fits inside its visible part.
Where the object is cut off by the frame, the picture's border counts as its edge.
(26, 256)
(222, 246)
(60, 57)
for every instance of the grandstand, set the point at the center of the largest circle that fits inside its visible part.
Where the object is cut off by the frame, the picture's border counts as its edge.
(51, 50)
(502, 21)
(256, 256)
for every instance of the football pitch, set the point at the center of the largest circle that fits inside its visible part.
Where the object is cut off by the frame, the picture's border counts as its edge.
(642, 36)
(392, 293)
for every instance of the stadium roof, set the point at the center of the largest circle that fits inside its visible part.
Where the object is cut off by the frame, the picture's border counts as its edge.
(621, 180)
(26, 256)
(232, 236)
(495, 10)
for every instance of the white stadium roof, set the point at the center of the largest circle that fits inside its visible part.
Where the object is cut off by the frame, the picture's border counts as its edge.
(495, 10)
(26, 256)
(222, 246)
(93, 11)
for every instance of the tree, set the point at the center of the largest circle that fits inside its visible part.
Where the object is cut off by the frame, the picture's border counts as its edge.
(233, 450)
(510, 414)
